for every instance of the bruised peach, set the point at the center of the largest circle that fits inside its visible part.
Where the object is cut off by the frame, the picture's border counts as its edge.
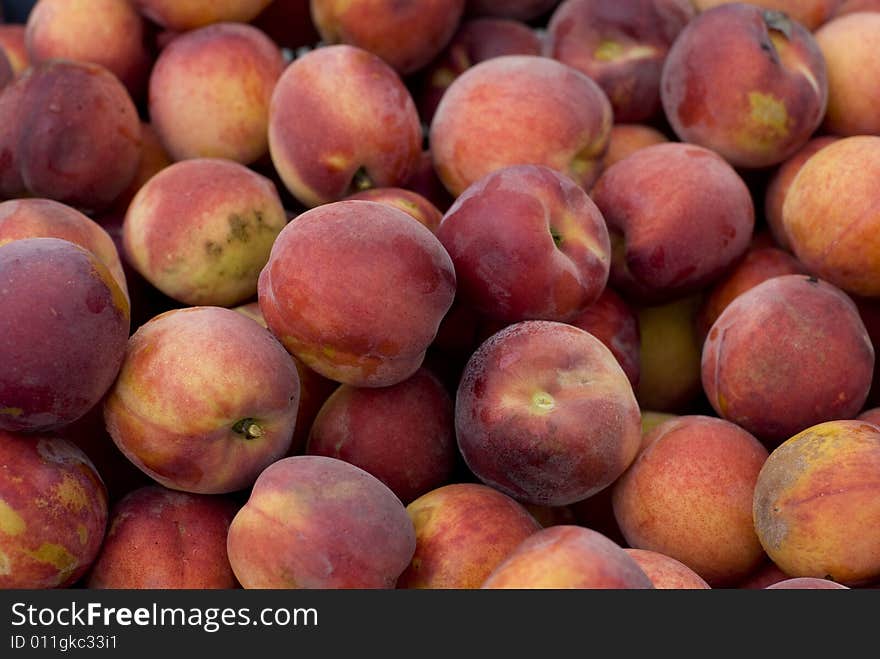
(63, 332)
(411, 203)
(665, 572)
(357, 290)
(159, 538)
(816, 508)
(53, 512)
(787, 354)
(568, 557)
(463, 532)
(519, 109)
(520, 410)
(317, 522)
(183, 15)
(205, 400)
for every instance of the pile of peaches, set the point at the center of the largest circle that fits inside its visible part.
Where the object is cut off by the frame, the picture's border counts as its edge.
(434, 294)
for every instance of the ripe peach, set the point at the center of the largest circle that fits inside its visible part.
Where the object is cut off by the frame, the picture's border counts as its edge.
(357, 290)
(463, 531)
(520, 109)
(318, 522)
(183, 15)
(816, 508)
(411, 203)
(665, 572)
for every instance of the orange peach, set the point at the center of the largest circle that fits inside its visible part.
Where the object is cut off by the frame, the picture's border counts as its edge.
(53, 512)
(520, 410)
(357, 290)
(210, 91)
(317, 522)
(785, 355)
(201, 230)
(689, 495)
(341, 121)
(205, 400)
(568, 557)
(463, 532)
(665, 572)
(746, 82)
(816, 509)
(411, 203)
(183, 15)
(626, 139)
(520, 109)
(159, 538)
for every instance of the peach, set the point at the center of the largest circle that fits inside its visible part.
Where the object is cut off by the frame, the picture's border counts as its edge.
(816, 508)
(342, 121)
(317, 522)
(622, 46)
(520, 410)
(159, 538)
(403, 435)
(201, 230)
(871, 415)
(669, 355)
(611, 320)
(809, 13)
(849, 45)
(519, 109)
(63, 332)
(210, 91)
(567, 557)
(357, 290)
(406, 35)
(463, 532)
(411, 203)
(787, 354)
(53, 512)
(205, 400)
(475, 41)
(746, 82)
(106, 32)
(758, 265)
(665, 572)
(527, 244)
(780, 182)
(522, 10)
(13, 44)
(838, 241)
(79, 138)
(689, 494)
(806, 583)
(626, 139)
(183, 15)
(44, 218)
(678, 216)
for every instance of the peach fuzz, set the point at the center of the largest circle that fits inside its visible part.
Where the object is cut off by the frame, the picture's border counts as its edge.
(816, 508)
(626, 139)
(403, 435)
(406, 35)
(849, 44)
(205, 400)
(834, 240)
(522, 10)
(520, 109)
(63, 332)
(748, 83)
(622, 46)
(106, 32)
(183, 15)
(787, 354)
(201, 230)
(463, 532)
(317, 522)
(806, 583)
(410, 202)
(210, 91)
(44, 218)
(688, 495)
(369, 136)
(568, 557)
(519, 413)
(527, 244)
(758, 265)
(53, 512)
(12, 43)
(809, 13)
(159, 538)
(678, 216)
(369, 319)
(665, 572)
